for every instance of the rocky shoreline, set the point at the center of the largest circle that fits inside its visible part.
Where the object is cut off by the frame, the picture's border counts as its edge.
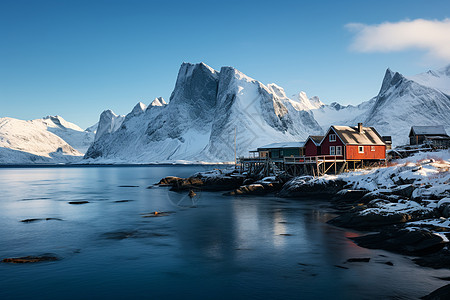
(406, 206)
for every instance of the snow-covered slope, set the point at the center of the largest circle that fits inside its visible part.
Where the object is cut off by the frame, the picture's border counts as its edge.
(198, 124)
(41, 140)
(439, 79)
(402, 103)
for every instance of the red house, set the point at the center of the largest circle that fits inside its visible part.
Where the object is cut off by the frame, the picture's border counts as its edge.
(312, 145)
(349, 143)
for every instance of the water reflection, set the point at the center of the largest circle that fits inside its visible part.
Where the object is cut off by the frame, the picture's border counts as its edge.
(249, 247)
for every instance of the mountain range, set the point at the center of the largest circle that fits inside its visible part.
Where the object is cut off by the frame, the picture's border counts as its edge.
(209, 109)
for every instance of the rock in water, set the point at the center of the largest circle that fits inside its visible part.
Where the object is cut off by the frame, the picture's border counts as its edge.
(29, 259)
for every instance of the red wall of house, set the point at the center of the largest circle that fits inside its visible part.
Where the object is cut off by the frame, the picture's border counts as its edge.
(310, 148)
(325, 147)
(378, 153)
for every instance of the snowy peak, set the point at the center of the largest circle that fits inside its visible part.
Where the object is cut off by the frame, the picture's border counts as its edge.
(109, 122)
(305, 103)
(158, 102)
(277, 90)
(137, 110)
(406, 101)
(58, 121)
(195, 90)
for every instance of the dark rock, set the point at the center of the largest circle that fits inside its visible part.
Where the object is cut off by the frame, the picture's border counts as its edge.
(157, 214)
(213, 183)
(306, 186)
(385, 195)
(442, 293)
(349, 195)
(255, 189)
(78, 202)
(417, 242)
(405, 190)
(376, 219)
(130, 186)
(248, 181)
(443, 278)
(341, 267)
(30, 259)
(30, 220)
(389, 263)
(122, 201)
(363, 259)
(438, 260)
(168, 181)
(444, 209)
(40, 219)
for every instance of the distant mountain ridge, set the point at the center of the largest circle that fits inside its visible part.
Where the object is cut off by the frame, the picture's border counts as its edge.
(207, 107)
(48, 140)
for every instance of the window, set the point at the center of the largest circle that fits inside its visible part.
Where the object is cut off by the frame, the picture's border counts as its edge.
(338, 150)
(360, 149)
(332, 150)
(332, 138)
(372, 148)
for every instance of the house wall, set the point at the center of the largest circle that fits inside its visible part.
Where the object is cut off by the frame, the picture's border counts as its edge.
(325, 146)
(416, 139)
(311, 149)
(285, 152)
(379, 152)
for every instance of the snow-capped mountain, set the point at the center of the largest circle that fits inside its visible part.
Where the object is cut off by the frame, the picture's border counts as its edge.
(208, 107)
(402, 103)
(205, 109)
(48, 140)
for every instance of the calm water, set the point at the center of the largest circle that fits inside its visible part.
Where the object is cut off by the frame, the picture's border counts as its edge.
(211, 247)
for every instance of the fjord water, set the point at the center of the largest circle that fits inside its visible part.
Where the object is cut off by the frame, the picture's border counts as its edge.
(208, 247)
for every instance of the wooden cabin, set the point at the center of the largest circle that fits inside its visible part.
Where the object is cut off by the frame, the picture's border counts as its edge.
(281, 150)
(433, 135)
(312, 145)
(349, 143)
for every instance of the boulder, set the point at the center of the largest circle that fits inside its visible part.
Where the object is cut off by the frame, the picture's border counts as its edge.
(405, 190)
(306, 186)
(255, 189)
(438, 260)
(442, 293)
(169, 180)
(405, 241)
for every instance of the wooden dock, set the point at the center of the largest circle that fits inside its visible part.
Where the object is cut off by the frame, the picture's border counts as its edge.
(302, 165)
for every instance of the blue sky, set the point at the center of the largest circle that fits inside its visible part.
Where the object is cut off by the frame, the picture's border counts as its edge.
(78, 58)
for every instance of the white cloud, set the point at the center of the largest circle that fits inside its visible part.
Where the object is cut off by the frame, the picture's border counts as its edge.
(431, 36)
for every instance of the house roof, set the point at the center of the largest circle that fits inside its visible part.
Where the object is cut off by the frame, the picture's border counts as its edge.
(428, 130)
(282, 145)
(351, 136)
(316, 139)
(387, 139)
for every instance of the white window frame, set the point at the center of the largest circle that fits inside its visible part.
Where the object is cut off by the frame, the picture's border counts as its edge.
(332, 137)
(360, 149)
(332, 150)
(338, 150)
(372, 148)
